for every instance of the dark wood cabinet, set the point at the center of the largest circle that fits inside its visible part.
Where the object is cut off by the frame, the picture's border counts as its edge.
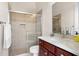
(60, 52)
(50, 54)
(47, 49)
(43, 52)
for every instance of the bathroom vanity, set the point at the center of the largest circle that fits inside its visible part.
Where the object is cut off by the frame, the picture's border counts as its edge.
(52, 46)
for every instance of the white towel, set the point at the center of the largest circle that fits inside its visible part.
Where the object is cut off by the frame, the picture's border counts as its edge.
(7, 36)
(1, 36)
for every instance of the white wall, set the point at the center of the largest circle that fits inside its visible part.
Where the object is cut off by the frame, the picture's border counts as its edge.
(46, 18)
(4, 13)
(67, 10)
(77, 17)
(76, 14)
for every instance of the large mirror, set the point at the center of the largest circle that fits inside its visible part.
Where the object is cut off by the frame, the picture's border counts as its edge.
(63, 18)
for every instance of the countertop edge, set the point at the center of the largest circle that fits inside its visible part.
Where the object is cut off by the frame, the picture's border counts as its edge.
(60, 46)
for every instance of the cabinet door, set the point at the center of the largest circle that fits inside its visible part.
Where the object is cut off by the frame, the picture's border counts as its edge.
(43, 51)
(49, 46)
(61, 52)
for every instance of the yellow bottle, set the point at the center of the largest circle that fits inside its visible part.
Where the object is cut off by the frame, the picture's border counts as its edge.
(76, 38)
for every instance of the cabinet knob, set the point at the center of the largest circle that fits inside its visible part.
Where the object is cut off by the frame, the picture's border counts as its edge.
(45, 53)
(40, 42)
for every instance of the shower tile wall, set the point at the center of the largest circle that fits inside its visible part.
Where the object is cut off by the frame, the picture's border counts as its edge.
(22, 25)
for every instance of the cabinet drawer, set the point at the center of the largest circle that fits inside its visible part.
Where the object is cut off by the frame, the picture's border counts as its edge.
(43, 52)
(50, 47)
(60, 52)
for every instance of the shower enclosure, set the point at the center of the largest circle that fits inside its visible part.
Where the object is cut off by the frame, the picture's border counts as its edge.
(25, 30)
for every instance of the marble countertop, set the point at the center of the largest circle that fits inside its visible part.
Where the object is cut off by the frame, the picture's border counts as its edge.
(64, 43)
